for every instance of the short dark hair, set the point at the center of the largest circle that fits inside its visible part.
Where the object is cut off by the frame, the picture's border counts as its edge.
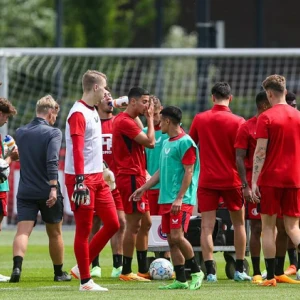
(290, 97)
(137, 92)
(174, 113)
(261, 98)
(221, 90)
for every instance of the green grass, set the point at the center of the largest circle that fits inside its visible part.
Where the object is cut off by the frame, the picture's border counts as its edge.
(37, 278)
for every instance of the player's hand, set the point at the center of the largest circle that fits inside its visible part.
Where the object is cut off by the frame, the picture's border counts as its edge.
(255, 193)
(149, 113)
(13, 154)
(81, 194)
(176, 206)
(247, 193)
(137, 195)
(109, 177)
(52, 197)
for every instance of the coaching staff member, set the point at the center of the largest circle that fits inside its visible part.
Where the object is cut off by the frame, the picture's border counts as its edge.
(39, 144)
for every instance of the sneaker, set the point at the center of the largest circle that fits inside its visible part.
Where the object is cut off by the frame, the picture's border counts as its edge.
(291, 270)
(64, 277)
(285, 279)
(116, 272)
(96, 272)
(211, 278)
(15, 275)
(238, 276)
(269, 282)
(133, 277)
(4, 278)
(264, 274)
(298, 275)
(92, 287)
(257, 279)
(197, 279)
(75, 272)
(175, 285)
(144, 275)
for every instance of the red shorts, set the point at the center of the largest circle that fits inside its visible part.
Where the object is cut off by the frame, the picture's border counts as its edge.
(285, 201)
(100, 195)
(153, 196)
(127, 184)
(170, 221)
(252, 211)
(208, 199)
(117, 198)
(3, 203)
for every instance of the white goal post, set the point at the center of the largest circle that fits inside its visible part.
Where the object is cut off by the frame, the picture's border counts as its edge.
(181, 77)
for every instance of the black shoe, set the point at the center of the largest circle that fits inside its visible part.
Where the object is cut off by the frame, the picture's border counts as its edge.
(15, 275)
(64, 277)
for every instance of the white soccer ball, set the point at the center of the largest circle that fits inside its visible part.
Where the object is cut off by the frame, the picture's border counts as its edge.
(161, 269)
(4, 165)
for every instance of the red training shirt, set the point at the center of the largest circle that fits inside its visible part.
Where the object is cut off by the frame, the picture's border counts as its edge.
(281, 126)
(215, 132)
(246, 139)
(129, 156)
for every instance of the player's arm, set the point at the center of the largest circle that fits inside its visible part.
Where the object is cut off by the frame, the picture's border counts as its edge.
(147, 139)
(138, 122)
(137, 195)
(258, 162)
(52, 165)
(240, 155)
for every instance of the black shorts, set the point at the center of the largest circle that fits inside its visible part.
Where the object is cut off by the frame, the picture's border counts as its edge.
(28, 210)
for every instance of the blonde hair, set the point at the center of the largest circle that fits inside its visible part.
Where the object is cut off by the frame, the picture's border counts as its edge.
(90, 78)
(275, 82)
(156, 101)
(45, 103)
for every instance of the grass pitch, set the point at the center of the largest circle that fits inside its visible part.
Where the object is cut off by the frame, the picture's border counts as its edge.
(37, 278)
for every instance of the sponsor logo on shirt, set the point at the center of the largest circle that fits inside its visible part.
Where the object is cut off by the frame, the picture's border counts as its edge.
(96, 119)
(158, 140)
(107, 143)
(167, 150)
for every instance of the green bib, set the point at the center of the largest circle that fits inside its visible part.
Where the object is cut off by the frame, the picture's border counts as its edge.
(172, 171)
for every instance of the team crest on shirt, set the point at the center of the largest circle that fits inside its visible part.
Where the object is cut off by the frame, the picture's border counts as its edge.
(167, 150)
(142, 206)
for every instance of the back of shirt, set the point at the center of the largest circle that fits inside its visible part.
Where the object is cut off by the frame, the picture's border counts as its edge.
(38, 145)
(215, 131)
(281, 126)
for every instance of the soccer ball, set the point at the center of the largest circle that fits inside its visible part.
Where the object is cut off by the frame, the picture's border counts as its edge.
(161, 269)
(4, 167)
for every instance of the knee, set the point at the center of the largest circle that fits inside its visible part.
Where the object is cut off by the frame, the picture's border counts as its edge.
(146, 225)
(175, 239)
(122, 224)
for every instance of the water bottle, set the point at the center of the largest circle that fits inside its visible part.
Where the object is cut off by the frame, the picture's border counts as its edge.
(121, 102)
(9, 142)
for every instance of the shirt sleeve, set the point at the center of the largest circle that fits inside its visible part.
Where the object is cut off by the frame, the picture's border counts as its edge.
(189, 157)
(77, 131)
(53, 154)
(193, 131)
(262, 131)
(129, 128)
(242, 137)
(77, 124)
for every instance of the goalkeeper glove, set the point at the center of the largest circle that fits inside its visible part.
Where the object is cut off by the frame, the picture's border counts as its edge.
(109, 176)
(3, 168)
(81, 194)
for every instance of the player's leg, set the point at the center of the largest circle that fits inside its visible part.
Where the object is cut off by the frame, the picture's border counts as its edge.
(208, 201)
(281, 246)
(27, 213)
(234, 201)
(96, 270)
(117, 245)
(142, 245)
(53, 218)
(255, 248)
(293, 259)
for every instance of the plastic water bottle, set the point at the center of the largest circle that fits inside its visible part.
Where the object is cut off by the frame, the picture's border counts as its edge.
(121, 102)
(9, 142)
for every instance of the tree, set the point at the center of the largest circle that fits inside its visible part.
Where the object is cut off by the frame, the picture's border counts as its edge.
(27, 23)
